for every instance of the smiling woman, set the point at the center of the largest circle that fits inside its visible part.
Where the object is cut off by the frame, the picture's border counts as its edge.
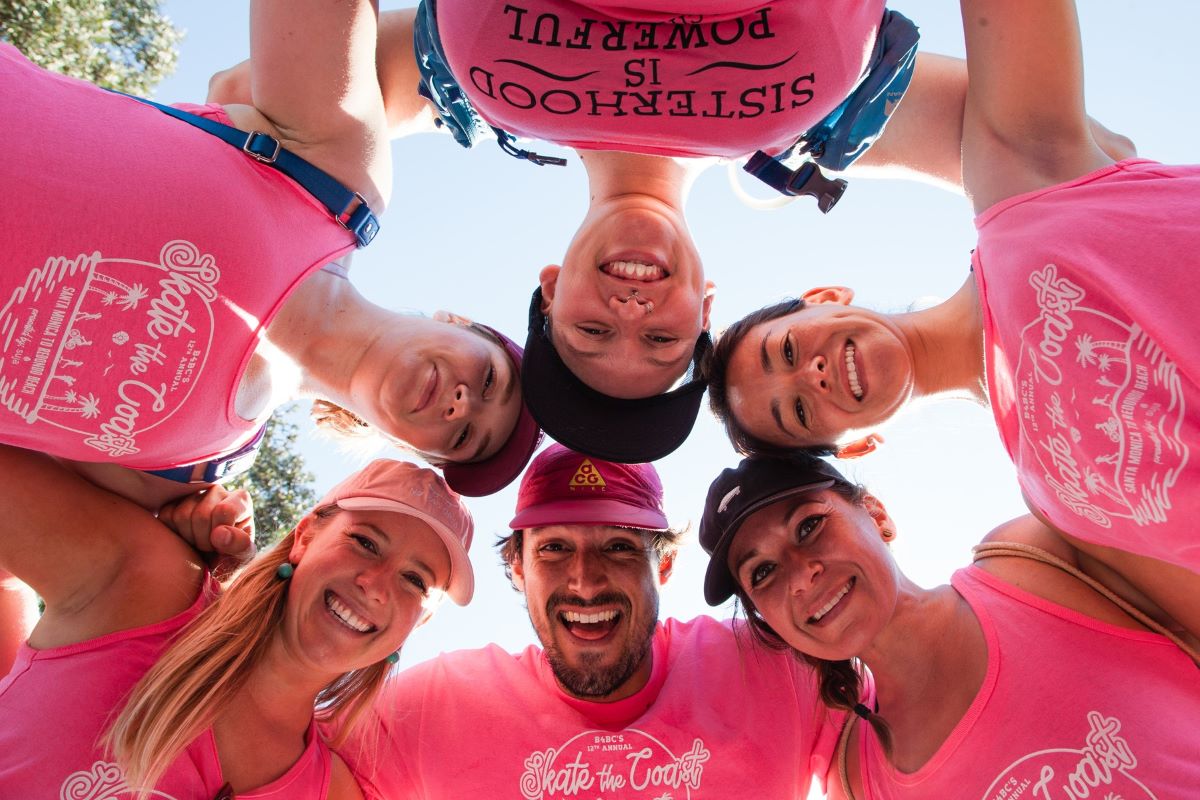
(806, 553)
(213, 688)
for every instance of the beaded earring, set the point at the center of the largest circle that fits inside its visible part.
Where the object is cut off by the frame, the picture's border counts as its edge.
(284, 571)
(393, 658)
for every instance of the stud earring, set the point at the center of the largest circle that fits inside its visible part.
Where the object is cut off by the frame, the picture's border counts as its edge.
(284, 571)
(393, 658)
(887, 534)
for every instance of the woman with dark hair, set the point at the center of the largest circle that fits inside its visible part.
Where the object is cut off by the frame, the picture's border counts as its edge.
(1023, 678)
(143, 676)
(648, 97)
(179, 273)
(1075, 325)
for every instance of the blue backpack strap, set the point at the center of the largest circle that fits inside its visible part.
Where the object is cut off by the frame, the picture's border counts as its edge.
(348, 208)
(218, 469)
(440, 87)
(850, 129)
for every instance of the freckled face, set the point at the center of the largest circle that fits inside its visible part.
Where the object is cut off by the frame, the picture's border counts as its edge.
(809, 377)
(363, 580)
(818, 572)
(592, 595)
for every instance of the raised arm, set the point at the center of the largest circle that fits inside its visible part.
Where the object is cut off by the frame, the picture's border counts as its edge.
(1024, 124)
(395, 65)
(313, 78)
(923, 139)
(99, 562)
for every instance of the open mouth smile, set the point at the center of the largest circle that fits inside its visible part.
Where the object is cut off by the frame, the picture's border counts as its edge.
(631, 270)
(592, 626)
(855, 380)
(343, 614)
(833, 603)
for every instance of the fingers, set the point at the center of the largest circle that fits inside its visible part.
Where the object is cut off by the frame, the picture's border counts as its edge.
(215, 519)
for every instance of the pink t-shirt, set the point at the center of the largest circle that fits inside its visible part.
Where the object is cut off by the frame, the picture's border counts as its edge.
(719, 718)
(1070, 708)
(57, 703)
(140, 261)
(1090, 300)
(721, 78)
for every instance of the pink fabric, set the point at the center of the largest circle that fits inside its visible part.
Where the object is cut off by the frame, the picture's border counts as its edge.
(1090, 298)
(1071, 708)
(56, 704)
(140, 261)
(725, 78)
(719, 718)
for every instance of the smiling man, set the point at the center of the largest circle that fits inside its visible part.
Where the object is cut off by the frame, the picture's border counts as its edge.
(615, 704)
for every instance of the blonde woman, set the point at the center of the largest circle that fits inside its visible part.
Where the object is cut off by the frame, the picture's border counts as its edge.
(224, 684)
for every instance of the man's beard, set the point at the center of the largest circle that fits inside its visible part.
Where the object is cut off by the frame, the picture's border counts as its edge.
(594, 679)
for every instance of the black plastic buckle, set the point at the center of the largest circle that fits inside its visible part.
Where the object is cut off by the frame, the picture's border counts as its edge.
(361, 221)
(261, 147)
(806, 179)
(505, 142)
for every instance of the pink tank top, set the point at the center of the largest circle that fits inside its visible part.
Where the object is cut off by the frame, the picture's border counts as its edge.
(1070, 708)
(141, 260)
(56, 704)
(1090, 299)
(722, 78)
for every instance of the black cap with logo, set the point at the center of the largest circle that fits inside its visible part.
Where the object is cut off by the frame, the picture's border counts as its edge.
(737, 493)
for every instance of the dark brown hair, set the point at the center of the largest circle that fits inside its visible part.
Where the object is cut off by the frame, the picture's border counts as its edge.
(715, 365)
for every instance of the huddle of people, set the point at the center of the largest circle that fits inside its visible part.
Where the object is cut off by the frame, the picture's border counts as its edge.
(142, 360)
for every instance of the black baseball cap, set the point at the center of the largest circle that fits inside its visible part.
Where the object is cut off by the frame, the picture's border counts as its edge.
(737, 493)
(627, 431)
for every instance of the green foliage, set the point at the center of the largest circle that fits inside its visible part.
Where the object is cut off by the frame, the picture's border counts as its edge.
(126, 45)
(279, 483)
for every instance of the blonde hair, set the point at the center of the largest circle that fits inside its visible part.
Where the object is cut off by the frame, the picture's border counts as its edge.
(199, 675)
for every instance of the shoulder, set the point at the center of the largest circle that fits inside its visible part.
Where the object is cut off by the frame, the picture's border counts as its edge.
(1045, 580)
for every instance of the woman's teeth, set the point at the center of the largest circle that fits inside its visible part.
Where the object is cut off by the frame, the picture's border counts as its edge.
(833, 602)
(634, 270)
(346, 616)
(852, 373)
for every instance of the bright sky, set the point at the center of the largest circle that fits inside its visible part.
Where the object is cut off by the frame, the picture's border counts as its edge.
(468, 231)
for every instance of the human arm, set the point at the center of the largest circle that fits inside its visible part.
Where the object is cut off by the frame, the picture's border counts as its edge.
(1024, 123)
(923, 137)
(99, 562)
(396, 68)
(312, 80)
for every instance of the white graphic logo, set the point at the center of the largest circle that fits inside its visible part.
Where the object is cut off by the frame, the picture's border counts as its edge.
(1101, 770)
(595, 765)
(107, 347)
(1102, 405)
(104, 781)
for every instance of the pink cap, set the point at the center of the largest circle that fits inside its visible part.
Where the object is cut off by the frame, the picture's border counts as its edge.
(389, 485)
(562, 487)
